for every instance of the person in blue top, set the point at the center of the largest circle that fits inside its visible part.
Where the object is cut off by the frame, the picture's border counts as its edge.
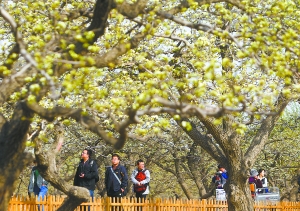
(116, 178)
(37, 184)
(220, 177)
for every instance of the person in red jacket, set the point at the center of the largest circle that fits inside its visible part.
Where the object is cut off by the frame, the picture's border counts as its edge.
(140, 178)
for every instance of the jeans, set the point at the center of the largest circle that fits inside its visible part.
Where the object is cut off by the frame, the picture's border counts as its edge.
(41, 193)
(140, 199)
(88, 207)
(92, 194)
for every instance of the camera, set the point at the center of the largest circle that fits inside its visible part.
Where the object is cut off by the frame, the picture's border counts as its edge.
(219, 173)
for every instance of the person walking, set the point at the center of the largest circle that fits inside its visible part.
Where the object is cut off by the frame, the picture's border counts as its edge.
(87, 172)
(116, 179)
(37, 184)
(140, 178)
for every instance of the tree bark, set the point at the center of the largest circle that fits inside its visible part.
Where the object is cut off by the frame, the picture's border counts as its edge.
(192, 163)
(13, 159)
(227, 143)
(180, 179)
(238, 192)
(47, 166)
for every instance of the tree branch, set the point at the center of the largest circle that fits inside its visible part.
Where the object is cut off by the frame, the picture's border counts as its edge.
(22, 48)
(204, 141)
(132, 10)
(47, 166)
(87, 121)
(263, 133)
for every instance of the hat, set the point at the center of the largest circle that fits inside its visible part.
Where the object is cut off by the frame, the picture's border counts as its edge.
(253, 173)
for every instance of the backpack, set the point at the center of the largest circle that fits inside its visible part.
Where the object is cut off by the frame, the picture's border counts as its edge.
(97, 177)
(140, 176)
(217, 179)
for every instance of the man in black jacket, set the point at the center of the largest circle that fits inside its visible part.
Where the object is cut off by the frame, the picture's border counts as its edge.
(87, 172)
(116, 178)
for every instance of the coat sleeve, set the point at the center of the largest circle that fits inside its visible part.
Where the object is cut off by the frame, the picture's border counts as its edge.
(132, 177)
(225, 175)
(124, 181)
(213, 179)
(31, 182)
(76, 179)
(106, 178)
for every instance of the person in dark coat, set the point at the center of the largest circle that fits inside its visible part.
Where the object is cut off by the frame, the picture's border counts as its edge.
(87, 172)
(116, 179)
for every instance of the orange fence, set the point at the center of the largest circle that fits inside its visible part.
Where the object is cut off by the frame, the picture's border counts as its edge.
(51, 203)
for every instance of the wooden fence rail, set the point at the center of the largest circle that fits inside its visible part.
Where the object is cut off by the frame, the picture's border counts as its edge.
(51, 203)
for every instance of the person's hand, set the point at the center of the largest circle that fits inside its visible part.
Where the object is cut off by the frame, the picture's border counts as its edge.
(122, 189)
(81, 175)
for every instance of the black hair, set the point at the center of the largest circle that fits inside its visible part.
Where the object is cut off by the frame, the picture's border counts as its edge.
(89, 152)
(139, 161)
(116, 155)
(221, 166)
(260, 170)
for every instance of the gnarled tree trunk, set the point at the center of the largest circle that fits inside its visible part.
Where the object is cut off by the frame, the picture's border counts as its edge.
(238, 191)
(13, 159)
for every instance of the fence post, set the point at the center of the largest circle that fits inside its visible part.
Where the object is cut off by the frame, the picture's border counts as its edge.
(108, 203)
(204, 202)
(49, 203)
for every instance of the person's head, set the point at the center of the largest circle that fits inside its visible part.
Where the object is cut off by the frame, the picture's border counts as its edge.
(86, 154)
(261, 172)
(140, 164)
(221, 167)
(253, 173)
(115, 159)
